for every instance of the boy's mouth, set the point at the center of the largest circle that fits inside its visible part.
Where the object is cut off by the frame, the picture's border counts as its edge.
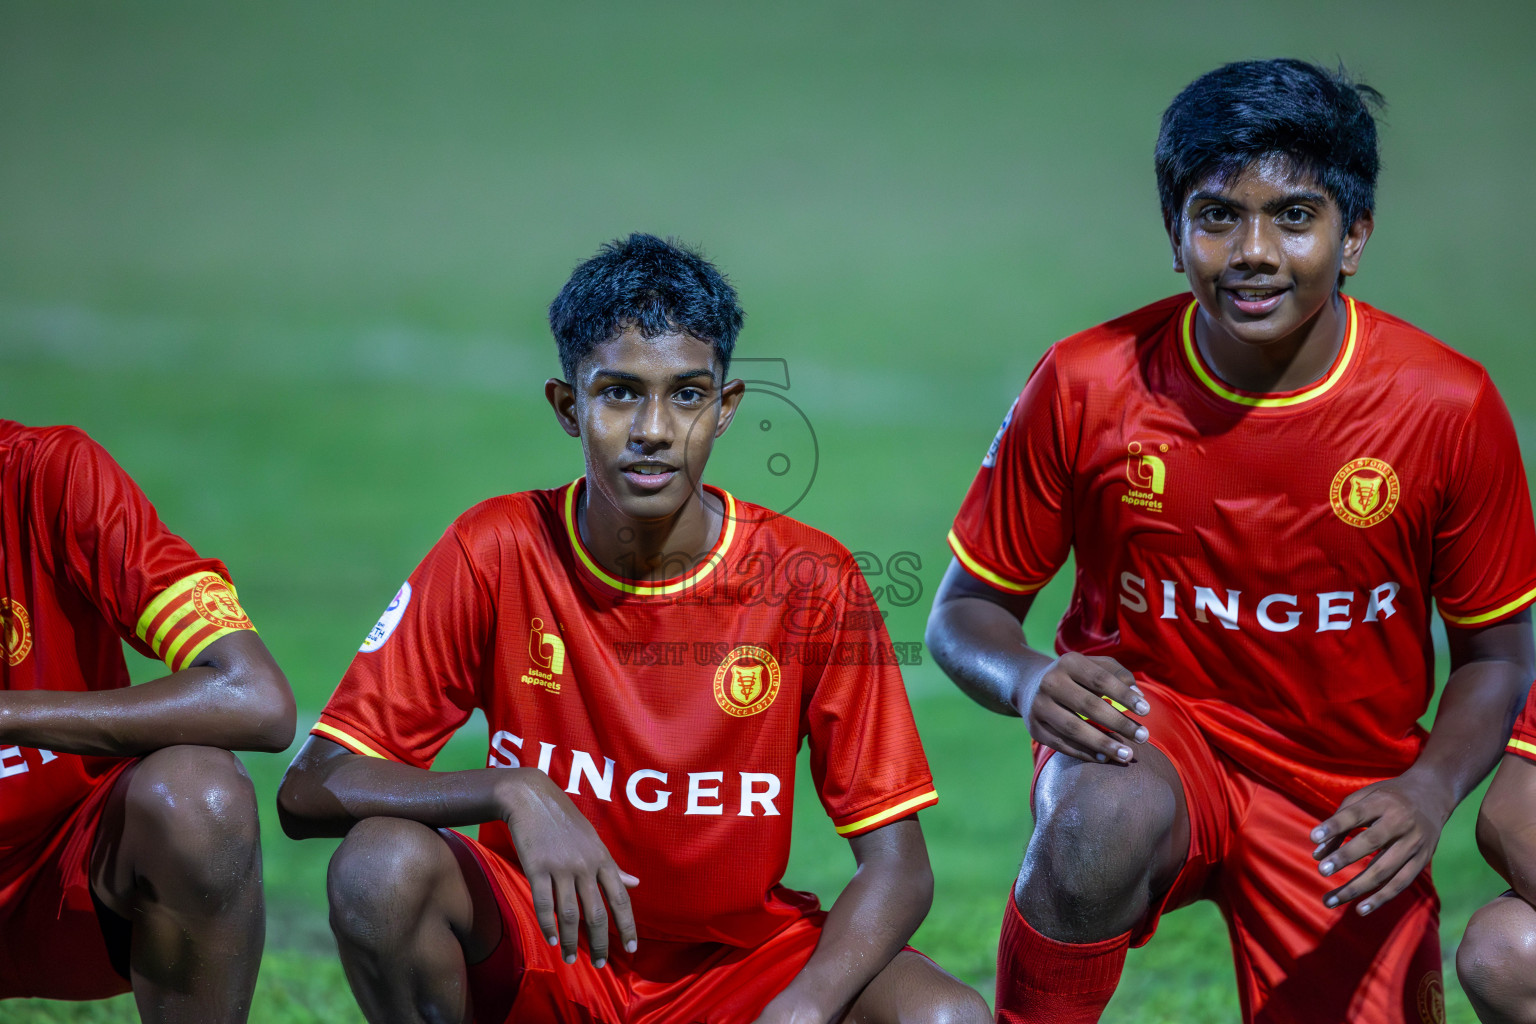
(1256, 301)
(649, 475)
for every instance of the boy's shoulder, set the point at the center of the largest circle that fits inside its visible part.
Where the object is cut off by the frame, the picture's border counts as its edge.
(1110, 347)
(1415, 361)
(761, 530)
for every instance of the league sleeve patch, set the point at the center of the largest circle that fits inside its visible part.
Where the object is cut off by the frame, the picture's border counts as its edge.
(990, 459)
(388, 621)
(189, 615)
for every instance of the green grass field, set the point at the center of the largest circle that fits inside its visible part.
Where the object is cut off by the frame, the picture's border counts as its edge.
(289, 263)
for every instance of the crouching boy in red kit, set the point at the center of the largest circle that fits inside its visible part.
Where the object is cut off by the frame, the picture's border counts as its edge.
(649, 652)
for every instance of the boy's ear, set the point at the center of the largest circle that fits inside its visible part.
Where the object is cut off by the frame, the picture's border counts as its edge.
(1354, 243)
(562, 398)
(730, 398)
(1172, 227)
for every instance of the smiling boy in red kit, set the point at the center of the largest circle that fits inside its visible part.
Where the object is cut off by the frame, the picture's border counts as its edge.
(1265, 482)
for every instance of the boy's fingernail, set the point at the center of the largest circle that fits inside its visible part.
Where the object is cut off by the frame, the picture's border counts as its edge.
(1331, 901)
(1124, 753)
(1100, 758)
(1317, 834)
(1365, 908)
(553, 940)
(1142, 707)
(631, 945)
(1326, 867)
(596, 963)
(1141, 734)
(570, 958)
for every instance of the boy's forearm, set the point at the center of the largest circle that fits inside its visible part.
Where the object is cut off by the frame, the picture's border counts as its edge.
(1471, 726)
(234, 697)
(867, 925)
(982, 648)
(327, 796)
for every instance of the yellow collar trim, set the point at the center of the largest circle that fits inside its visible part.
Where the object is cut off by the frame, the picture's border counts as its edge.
(640, 588)
(1257, 401)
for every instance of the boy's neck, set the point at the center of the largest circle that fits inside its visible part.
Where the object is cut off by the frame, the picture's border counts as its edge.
(650, 550)
(1288, 364)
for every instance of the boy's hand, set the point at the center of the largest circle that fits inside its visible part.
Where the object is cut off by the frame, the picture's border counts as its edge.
(567, 866)
(1072, 689)
(1402, 818)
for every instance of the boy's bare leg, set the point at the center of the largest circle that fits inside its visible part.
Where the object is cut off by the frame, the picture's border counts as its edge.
(407, 921)
(1496, 961)
(178, 854)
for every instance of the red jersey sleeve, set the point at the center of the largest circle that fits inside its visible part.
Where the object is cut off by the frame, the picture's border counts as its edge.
(416, 678)
(1523, 740)
(1485, 546)
(1014, 528)
(866, 758)
(157, 593)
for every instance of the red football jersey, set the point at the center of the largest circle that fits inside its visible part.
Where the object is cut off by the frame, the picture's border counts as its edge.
(671, 712)
(1272, 557)
(87, 564)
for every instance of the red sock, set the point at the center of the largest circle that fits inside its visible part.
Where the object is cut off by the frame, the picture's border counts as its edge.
(1042, 981)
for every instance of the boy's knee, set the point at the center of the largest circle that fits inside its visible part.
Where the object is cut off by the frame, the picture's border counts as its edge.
(1100, 837)
(1102, 828)
(1496, 961)
(382, 872)
(957, 1004)
(195, 808)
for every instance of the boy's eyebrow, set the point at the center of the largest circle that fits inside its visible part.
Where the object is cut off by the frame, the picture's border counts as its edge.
(1273, 206)
(604, 373)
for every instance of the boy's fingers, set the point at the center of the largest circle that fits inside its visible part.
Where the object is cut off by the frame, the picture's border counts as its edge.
(1400, 881)
(544, 906)
(615, 886)
(1364, 844)
(1101, 681)
(1050, 737)
(1079, 733)
(568, 909)
(1097, 709)
(1368, 881)
(597, 919)
(1346, 819)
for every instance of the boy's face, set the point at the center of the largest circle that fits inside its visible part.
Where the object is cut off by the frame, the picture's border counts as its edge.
(1264, 252)
(647, 412)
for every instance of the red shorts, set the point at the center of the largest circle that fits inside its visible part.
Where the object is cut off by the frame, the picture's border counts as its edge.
(1250, 853)
(660, 983)
(56, 940)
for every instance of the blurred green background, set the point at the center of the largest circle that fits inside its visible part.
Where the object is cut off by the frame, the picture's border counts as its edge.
(289, 263)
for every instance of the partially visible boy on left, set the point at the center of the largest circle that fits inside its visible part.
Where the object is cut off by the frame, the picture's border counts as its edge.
(129, 848)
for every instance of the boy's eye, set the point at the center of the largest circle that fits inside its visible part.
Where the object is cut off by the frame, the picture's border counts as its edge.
(1295, 216)
(690, 395)
(1216, 215)
(618, 392)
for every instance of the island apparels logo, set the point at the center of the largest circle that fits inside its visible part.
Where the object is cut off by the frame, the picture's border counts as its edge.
(547, 652)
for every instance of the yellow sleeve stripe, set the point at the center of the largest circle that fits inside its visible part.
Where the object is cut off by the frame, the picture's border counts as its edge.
(1498, 613)
(900, 810)
(986, 575)
(190, 614)
(347, 740)
(1522, 747)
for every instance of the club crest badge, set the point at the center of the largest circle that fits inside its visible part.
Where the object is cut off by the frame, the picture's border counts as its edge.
(747, 681)
(1432, 999)
(18, 630)
(1364, 492)
(215, 602)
